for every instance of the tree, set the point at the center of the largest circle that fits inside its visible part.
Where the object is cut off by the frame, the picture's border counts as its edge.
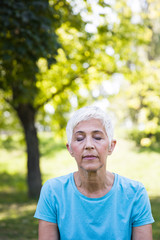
(27, 33)
(46, 51)
(144, 94)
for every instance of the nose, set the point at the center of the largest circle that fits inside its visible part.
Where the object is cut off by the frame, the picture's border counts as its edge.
(89, 143)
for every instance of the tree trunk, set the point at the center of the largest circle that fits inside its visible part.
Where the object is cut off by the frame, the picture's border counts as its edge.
(27, 114)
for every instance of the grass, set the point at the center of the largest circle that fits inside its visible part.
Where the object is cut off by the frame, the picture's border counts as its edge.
(16, 210)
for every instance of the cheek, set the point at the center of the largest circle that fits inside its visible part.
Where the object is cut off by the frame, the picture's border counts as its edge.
(75, 150)
(104, 150)
(77, 146)
(73, 147)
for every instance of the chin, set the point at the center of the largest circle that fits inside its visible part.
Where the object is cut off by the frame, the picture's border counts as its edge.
(92, 168)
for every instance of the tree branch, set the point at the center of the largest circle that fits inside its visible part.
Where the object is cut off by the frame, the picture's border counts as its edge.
(64, 86)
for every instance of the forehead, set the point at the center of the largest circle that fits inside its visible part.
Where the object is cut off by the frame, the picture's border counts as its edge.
(90, 125)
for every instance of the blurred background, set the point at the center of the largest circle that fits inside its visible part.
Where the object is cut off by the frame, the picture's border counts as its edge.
(55, 57)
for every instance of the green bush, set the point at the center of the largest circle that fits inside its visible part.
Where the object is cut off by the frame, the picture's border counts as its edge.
(144, 138)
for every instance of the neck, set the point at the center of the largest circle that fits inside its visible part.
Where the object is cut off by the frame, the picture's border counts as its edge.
(94, 184)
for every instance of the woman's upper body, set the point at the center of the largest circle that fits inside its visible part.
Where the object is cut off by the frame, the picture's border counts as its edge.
(93, 203)
(113, 216)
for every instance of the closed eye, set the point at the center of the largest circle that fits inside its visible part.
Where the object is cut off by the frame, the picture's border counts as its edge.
(79, 139)
(97, 138)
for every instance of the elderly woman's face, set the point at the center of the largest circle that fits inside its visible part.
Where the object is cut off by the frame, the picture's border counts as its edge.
(90, 145)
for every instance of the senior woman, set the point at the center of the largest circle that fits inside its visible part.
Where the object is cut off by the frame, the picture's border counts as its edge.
(93, 203)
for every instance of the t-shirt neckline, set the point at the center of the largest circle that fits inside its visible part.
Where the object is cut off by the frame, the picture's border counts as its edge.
(94, 199)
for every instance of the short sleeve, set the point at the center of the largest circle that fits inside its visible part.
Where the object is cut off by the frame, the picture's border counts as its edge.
(141, 214)
(46, 207)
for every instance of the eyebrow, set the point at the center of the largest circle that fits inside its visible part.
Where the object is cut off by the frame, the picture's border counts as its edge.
(95, 131)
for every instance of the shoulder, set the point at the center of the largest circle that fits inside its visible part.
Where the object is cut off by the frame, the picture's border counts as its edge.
(129, 186)
(127, 182)
(61, 180)
(136, 198)
(57, 183)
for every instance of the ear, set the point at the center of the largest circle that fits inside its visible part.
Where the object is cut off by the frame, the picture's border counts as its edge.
(111, 148)
(69, 149)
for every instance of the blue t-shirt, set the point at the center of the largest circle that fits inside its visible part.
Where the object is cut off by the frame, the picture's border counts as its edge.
(110, 217)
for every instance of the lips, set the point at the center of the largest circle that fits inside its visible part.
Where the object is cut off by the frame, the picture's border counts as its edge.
(89, 157)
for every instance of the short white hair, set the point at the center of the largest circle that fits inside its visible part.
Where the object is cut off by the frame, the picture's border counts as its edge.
(87, 113)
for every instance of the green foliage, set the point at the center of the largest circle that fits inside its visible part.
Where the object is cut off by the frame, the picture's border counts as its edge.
(26, 30)
(145, 138)
(87, 59)
(36, 33)
(144, 106)
(8, 119)
(26, 34)
(153, 18)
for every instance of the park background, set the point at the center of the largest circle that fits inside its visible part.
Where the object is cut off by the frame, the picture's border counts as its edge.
(57, 56)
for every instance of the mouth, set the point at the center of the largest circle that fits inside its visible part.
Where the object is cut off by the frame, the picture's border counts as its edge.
(89, 157)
